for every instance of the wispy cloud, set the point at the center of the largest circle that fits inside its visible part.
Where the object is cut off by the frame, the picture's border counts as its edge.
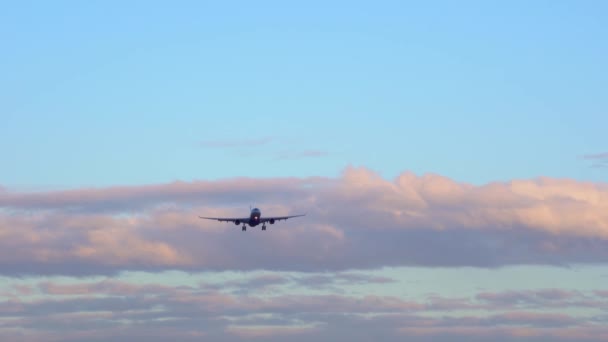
(600, 160)
(597, 156)
(229, 143)
(600, 164)
(301, 154)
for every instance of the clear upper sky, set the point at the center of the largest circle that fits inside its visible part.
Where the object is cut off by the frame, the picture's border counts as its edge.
(94, 93)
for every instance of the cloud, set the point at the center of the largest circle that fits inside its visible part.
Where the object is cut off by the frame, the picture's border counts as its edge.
(138, 199)
(358, 220)
(597, 156)
(265, 331)
(261, 283)
(236, 142)
(337, 280)
(602, 293)
(543, 297)
(600, 159)
(113, 309)
(301, 154)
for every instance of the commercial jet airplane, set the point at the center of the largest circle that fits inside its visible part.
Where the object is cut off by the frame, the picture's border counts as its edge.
(255, 218)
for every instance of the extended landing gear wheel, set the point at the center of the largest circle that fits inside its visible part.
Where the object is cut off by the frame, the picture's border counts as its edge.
(244, 228)
(263, 227)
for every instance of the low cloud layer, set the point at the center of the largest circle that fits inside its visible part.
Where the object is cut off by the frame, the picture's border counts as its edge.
(114, 309)
(358, 220)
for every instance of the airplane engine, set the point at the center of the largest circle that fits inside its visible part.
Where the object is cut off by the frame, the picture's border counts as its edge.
(237, 222)
(271, 221)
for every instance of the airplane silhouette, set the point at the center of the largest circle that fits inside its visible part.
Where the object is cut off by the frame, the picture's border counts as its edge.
(255, 218)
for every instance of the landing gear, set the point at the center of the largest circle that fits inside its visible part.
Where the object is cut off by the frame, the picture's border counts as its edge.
(244, 228)
(264, 227)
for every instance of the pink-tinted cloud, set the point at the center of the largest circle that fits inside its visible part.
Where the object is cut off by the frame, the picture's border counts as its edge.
(602, 293)
(105, 287)
(133, 199)
(359, 220)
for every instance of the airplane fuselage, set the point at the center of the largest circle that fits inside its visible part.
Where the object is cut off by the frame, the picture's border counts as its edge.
(254, 217)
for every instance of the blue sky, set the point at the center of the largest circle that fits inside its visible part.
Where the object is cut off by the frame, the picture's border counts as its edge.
(103, 93)
(104, 103)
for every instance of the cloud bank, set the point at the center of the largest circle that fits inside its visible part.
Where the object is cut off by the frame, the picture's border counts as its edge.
(358, 220)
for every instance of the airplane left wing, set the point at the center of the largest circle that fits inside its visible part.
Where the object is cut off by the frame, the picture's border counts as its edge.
(226, 219)
(277, 218)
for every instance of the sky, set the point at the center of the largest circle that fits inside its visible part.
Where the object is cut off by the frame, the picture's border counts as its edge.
(451, 158)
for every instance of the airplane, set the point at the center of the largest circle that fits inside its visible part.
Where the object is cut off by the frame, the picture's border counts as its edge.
(255, 218)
